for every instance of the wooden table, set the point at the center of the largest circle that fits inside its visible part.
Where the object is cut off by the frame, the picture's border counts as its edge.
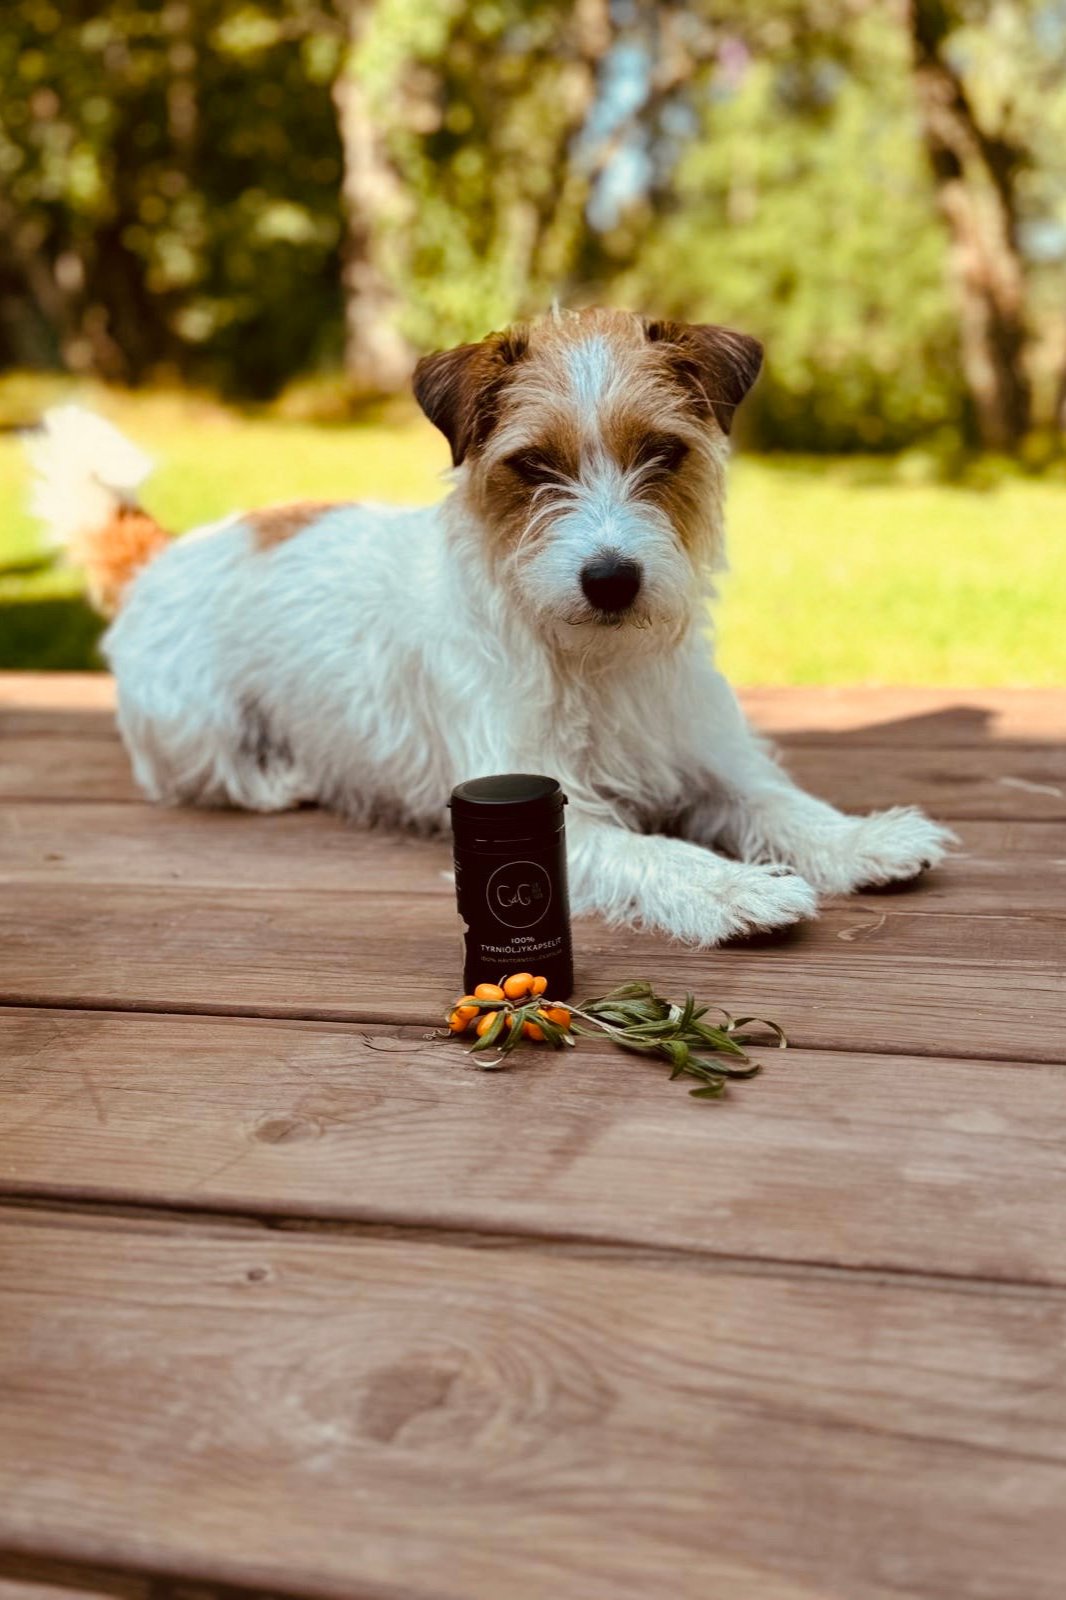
(293, 1301)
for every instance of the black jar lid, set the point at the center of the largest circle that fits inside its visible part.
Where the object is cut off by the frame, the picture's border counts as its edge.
(513, 802)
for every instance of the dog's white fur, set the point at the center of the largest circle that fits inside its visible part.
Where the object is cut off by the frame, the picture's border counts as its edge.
(82, 467)
(379, 656)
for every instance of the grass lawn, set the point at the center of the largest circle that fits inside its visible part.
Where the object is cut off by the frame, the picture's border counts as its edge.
(842, 570)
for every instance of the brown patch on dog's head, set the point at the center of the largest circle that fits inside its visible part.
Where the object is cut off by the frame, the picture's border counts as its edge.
(459, 390)
(594, 432)
(466, 392)
(273, 525)
(715, 365)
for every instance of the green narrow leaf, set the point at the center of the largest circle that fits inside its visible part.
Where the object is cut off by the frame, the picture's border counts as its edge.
(726, 1069)
(491, 1034)
(762, 1022)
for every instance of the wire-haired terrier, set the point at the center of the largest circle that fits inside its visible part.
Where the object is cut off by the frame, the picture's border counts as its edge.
(549, 615)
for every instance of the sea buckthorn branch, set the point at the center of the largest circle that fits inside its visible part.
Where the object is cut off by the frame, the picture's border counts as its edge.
(633, 1015)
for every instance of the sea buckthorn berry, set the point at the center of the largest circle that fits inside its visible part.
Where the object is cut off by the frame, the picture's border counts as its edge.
(538, 986)
(531, 1030)
(457, 1022)
(557, 1014)
(486, 1023)
(489, 991)
(518, 985)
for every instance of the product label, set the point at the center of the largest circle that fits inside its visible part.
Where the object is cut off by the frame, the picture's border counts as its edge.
(519, 894)
(516, 915)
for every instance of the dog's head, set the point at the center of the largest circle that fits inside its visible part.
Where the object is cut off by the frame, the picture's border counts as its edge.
(590, 447)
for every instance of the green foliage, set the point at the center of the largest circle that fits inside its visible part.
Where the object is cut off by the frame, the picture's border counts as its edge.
(169, 188)
(171, 203)
(480, 106)
(803, 213)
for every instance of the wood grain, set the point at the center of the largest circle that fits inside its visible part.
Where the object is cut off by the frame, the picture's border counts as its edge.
(1002, 867)
(891, 980)
(27, 1589)
(930, 717)
(64, 766)
(156, 845)
(42, 1578)
(379, 1125)
(56, 691)
(807, 1344)
(431, 1418)
(57, 705)
(996, 782)
(21, 1589)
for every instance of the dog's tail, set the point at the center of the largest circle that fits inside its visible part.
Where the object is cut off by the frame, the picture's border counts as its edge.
(86, 475)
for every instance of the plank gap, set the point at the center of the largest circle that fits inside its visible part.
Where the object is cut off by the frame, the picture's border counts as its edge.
(39, 1576)
(225, 1222)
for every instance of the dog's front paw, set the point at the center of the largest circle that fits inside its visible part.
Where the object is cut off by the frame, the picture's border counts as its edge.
(753, 899)
(887, 847)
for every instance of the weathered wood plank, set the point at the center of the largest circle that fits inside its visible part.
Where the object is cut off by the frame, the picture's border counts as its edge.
(998, 781)
(22, 1589)
(1002, 867)
(71, 702)
(157, 845)
(909, 716)
(35, 691)
(34, 1577)
(887, 980)
(357, 1417)
(41, 1578)
(47, 766)
(68, 705)
(841, 1160)
(122, 1589)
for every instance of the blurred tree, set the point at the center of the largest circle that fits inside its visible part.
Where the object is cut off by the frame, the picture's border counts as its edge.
(784, 185)
(976, 163)
(377, 357)
(479, 109)
(792, 200)
(168, 188)
(237, 191)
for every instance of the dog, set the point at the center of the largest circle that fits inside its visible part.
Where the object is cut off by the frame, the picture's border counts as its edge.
(549, 615)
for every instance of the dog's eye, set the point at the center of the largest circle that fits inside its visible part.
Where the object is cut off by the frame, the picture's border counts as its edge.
(534, 468)
(660, 454)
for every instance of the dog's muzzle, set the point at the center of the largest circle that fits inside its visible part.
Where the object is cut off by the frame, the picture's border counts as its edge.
(611, 583)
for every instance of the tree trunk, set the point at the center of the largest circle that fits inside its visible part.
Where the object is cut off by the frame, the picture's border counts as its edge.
(377, 359)
(975, 175)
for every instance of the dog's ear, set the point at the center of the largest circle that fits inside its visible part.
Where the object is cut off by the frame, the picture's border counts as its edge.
(716, 365)
(459, 390)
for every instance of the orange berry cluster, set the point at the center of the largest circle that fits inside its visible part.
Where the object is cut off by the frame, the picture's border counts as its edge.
(488, 998)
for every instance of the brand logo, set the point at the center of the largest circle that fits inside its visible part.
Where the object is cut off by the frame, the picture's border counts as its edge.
(519, 894)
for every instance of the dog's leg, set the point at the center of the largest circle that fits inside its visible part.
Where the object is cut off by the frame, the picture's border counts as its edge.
(677, 888)
(753, 807)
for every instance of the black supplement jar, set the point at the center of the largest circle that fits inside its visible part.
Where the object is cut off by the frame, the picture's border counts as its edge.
(510, 879)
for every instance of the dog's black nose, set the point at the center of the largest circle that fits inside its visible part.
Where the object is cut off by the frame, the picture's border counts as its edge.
(611, 583)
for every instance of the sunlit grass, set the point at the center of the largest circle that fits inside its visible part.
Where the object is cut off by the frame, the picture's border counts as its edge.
(835, 578)
(835, 581)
